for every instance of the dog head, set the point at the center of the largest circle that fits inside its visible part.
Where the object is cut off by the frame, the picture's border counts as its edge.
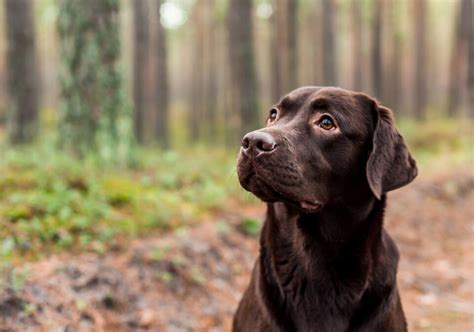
(321, 145)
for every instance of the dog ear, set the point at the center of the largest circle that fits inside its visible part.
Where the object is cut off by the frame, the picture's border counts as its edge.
(390, 165)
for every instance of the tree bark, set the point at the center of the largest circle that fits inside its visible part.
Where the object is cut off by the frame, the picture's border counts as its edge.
(141, 52)
(292, 44)
(357, 65)
(197, 75)
(242, 62)
(470, 82)
(377, 49)
(461, 59)
(91, 82)
(392, 88)
(420, 91)
(329, 43)
(211, 85)
(276, 76)
(162, 93)
(22, 72)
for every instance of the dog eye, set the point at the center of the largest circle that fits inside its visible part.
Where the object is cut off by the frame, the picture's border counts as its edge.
(273, 114)
(326, 123)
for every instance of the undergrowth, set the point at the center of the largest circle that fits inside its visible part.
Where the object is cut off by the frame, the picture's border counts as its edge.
(51, 202)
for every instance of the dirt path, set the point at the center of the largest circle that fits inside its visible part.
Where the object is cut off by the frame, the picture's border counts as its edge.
(192, 280)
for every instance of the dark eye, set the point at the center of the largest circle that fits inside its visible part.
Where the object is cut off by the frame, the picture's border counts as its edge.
(326, 123)
(273, 114)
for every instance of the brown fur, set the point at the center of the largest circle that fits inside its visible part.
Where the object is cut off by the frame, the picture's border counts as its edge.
(326, 263)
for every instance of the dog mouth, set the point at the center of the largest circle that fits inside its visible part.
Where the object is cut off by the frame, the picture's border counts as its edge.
(270, 191)
(311, 207)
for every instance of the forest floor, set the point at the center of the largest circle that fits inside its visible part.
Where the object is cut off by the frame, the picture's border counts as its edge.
(192, 279)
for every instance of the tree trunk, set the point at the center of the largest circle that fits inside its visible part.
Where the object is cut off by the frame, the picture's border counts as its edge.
(211, 84)
(276, 81)
(242, 62)
(377, 49)
(195, 114)
(91, 84)
(162, 98)
(357, 64)
(329, 43)
(393, 90)
(141, 51)
(470, 82)
(460, 57)
(284, 47)
(420, 91)
(292, 44)
(22, 73)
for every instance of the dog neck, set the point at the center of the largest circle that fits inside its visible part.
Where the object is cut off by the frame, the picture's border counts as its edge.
(335, 224)
(308, 258)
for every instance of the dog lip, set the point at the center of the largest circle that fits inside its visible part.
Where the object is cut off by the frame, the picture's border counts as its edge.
(311, 207)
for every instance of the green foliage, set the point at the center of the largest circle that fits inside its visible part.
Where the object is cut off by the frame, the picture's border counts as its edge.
(250, 226)
(94, 116)
(49, 201)
(439, 142)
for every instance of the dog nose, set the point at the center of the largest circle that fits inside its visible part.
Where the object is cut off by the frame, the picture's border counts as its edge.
(258, 142)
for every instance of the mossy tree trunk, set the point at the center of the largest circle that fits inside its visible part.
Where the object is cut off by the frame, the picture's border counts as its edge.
(94, 108)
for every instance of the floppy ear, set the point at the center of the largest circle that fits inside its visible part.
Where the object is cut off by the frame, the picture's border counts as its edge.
(390, 165)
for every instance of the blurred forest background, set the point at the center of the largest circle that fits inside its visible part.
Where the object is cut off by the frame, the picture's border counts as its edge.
(120, 121)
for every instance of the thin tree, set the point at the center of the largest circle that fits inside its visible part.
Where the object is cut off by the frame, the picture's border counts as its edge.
(329, 42)
(242, 62)
(141, 52)
(460, 57)
(277, 51)
(392, 89)
(377, 49)
(357, 47)
(420, 48)
(22, 73)
(470, 82)
(161, 74)
(211, 68)
(292, 43)
(197, 68)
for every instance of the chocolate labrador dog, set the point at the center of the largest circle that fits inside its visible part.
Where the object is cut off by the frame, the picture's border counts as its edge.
(324, 163)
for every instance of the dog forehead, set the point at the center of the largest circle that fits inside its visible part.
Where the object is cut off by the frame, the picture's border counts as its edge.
(309, 94)
(333, 96)
(339, 100)
(298, 97)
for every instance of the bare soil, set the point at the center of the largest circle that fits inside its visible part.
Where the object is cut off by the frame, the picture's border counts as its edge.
(192, 280)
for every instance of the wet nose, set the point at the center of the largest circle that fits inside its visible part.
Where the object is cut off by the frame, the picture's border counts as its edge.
(258, 142)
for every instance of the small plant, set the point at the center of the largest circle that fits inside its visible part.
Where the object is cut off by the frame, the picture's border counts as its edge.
(250, 226)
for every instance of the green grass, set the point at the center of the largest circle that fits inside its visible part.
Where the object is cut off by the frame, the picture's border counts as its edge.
(50, 202)
(439, 143)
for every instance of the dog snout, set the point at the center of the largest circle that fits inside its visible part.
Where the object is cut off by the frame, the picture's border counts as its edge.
(258, 142)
